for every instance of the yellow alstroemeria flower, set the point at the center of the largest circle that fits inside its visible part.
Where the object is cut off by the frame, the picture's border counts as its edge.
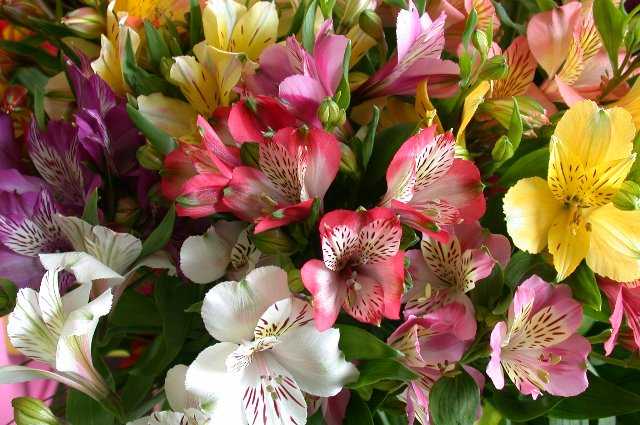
(155, 11)
(109, 66)
(571, 213)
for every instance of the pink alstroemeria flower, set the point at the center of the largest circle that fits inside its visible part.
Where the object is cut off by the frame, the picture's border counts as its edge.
(195, 175)
(420, 44)
(295, 166)
(624, 299)
(333, 409)
(445, 272)
(430, 188)
(301, 79)
(566, 44)
(363, 267)
(253, 118)
(432, 345)
(538, 346)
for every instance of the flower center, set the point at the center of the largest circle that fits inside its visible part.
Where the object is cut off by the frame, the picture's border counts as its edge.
(244, 354)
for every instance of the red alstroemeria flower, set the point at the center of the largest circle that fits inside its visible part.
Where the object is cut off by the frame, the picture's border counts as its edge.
(252, 117)
(295, 166)
(428, 188)
(363, 267)
(195, 175)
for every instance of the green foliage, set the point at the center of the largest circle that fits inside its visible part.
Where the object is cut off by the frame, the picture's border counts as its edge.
(454, 400)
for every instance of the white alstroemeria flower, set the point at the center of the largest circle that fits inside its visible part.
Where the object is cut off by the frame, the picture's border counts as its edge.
(269, 356)
(102, 257)
(57, 330)
(224, 249)
(186, 408)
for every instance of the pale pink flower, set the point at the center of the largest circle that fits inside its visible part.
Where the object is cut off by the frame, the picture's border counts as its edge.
(538, 346)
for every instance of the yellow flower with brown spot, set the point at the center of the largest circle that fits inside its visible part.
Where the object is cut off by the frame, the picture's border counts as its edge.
(571, 213)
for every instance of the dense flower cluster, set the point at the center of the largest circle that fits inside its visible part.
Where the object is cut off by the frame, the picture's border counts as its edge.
(325, 212)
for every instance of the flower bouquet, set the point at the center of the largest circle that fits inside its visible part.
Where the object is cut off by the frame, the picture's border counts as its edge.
(371, 212)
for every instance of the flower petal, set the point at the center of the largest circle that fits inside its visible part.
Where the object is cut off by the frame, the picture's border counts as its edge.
(328, 291)
(205, 258)
(568, 241)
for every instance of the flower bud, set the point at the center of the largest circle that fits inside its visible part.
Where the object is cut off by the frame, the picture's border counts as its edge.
(503, 149)
(628, 196)
(348, 160)
(330, 114)
(494, 68)
(85, 21)
(127, 211)
(31, 411)
(274, 241)
(149, 157)
(8, 293)
(481, 42)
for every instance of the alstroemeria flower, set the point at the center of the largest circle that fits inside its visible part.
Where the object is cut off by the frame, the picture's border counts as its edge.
(432, 345)
(302, 79)
(429, 188)
(56, 155)
(420, 44)
(296, 166)
(566, 44)
(252, 119)
(196, 174)
(624, 300)
(572, 213)
(186, 407)
(269, 355)
(225, 249)
(100, 256)
(444, 272)
(538, 346)
(363, 267)
(27, 227)
(457, 12)
(58, 331)
(333, 409)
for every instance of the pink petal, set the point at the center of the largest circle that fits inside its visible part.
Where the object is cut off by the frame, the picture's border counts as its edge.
(568, 377)
(304, 94)
(249, 194)
(390, 274)
(339, 232)
(549, 34)
(224, 157)
(569, 95)
(283, 216)
(247, 125)
(408, 29)
(334, 409)
(365, 300)
(321, 163)
(328, 53)
(177, 169)
(421, 222)
(201, 196)
(379, 236)
(616, 322)
(494, 368)
(328, 291)
(275, 66)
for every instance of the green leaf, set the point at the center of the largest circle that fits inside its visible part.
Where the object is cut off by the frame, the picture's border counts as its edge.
(141, 81)
(326, 7)
(343, 92)
(610, 22)
(250, 154)
(585, 288)
(357, 412)
(520, 266)
(135, 310)
(533, 164)
(35, 81)
(82, 409)
(515, 126)
(469, 27)
(298, 18)
(544, 5)
(194, 308)
(454, 400)
(196, 32)
(160, 235)
(600, 400)
(156, 45)
(409, 237)
(46, 62)
(373, 371)
(358, 344)
(366, 147)
(386, 145)
(90, 213)
(308, 35)
(520, 408)
(158, 138)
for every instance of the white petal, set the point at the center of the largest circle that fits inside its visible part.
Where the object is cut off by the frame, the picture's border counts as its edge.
(77, 298)
(85, 268)
(18, 374)
(312, 357)
(174, 388)
(207, 376)
(27, 330)
(270, 394)
(50, 301)
(231, 309)
(205, 258)
(76, 230)
(166, 418)
(84, 320)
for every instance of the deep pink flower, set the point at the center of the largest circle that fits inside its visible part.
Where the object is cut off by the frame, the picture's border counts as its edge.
(432, 345)
(624, 299)
(363, 267)
(301, 79)
(444, 272)
(252, 118)
(295, 166)
(538, 346)
(430, 188)
(420, 44)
